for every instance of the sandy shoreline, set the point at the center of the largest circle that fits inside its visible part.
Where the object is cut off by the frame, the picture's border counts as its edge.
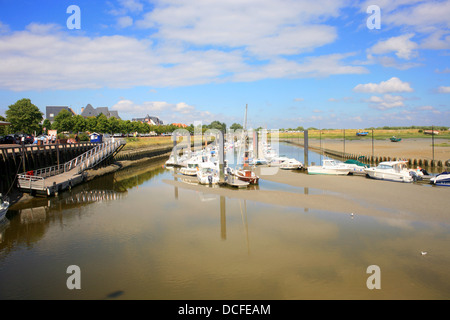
(407, 148)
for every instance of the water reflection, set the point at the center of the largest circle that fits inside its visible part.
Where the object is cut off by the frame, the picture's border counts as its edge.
(136, 237)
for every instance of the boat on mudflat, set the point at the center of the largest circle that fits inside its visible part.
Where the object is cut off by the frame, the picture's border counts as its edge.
(247, 176)
(395, 139)
(392, 171)
(291, 164)
(331, 167)
(442, 179)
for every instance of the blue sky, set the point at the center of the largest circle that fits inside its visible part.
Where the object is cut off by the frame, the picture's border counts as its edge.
(310, 63)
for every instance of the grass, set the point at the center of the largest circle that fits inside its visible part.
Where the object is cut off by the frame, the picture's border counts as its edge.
(144, 142)
(350, 134)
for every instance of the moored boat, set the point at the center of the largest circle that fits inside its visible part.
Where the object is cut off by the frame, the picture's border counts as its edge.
(208, 173)
(331, 167)
(392, 171)
(247, 176)
(395, 139)
(291, 164)
(442, 179)
(355, 166)
(4, 205)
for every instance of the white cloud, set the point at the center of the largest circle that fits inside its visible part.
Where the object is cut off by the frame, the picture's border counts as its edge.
(124, 22)
(263, 27)
(386, 102)
(392, 85)
(49, 57)
(168, 112)
(443, 89)
(403, 47)
(3, 28)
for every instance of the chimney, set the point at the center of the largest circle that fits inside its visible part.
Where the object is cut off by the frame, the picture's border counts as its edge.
(82, 109)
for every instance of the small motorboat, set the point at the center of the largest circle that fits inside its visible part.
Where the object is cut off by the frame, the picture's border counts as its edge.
(192, 166)
(442, 179)
(331, 167)
(392, 171)
(247, 176)
(395, 139)
(4, 205)
(291, 164)
(208, 173)
(355, 166)
(365, 133)
(277, 161)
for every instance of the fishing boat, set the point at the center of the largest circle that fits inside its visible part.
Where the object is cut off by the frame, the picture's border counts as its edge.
(4, 205)
(247, 176)
(442, 179)
(291, 164)
(395, 139)
(208, 173)
(392, 171)
(331, 167)
(362, 133)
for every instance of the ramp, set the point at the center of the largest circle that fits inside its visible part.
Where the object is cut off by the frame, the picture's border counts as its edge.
(48, 181)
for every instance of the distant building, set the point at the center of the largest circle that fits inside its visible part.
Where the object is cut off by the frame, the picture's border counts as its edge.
(180, 125)
(89, 111)
(52, 111)
(153, 121)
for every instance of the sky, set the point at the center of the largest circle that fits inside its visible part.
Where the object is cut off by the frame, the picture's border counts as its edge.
(311, 63)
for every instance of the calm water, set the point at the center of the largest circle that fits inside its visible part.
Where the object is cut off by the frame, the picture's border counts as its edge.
(136, 237)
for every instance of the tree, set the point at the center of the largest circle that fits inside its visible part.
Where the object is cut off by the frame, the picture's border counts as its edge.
(79, 123)
(63, 121)
(24, 116)
(47, 125)
(102, 124)
(236, 126)
(218, 125)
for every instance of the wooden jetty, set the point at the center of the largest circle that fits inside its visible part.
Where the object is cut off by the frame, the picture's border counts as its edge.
(51, 180)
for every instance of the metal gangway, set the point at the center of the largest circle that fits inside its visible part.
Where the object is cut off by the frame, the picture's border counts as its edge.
(60, 177)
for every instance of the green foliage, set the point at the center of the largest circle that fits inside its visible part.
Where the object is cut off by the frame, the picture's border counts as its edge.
(236, 126)
(63, 121)
(24, 116)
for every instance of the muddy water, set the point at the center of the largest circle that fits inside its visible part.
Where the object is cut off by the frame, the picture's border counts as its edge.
(135, 237)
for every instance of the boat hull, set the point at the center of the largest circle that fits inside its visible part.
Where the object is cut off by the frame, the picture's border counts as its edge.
(388, 176)
(441, 180)
(244, 176)
(321, 170)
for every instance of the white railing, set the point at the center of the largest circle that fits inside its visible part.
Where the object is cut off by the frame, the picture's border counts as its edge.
(84, 161)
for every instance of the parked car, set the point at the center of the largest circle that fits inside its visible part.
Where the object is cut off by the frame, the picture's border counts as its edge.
(9, 139)
(28, 139)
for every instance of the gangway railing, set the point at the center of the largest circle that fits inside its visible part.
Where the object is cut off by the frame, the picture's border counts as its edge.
(35, 179)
